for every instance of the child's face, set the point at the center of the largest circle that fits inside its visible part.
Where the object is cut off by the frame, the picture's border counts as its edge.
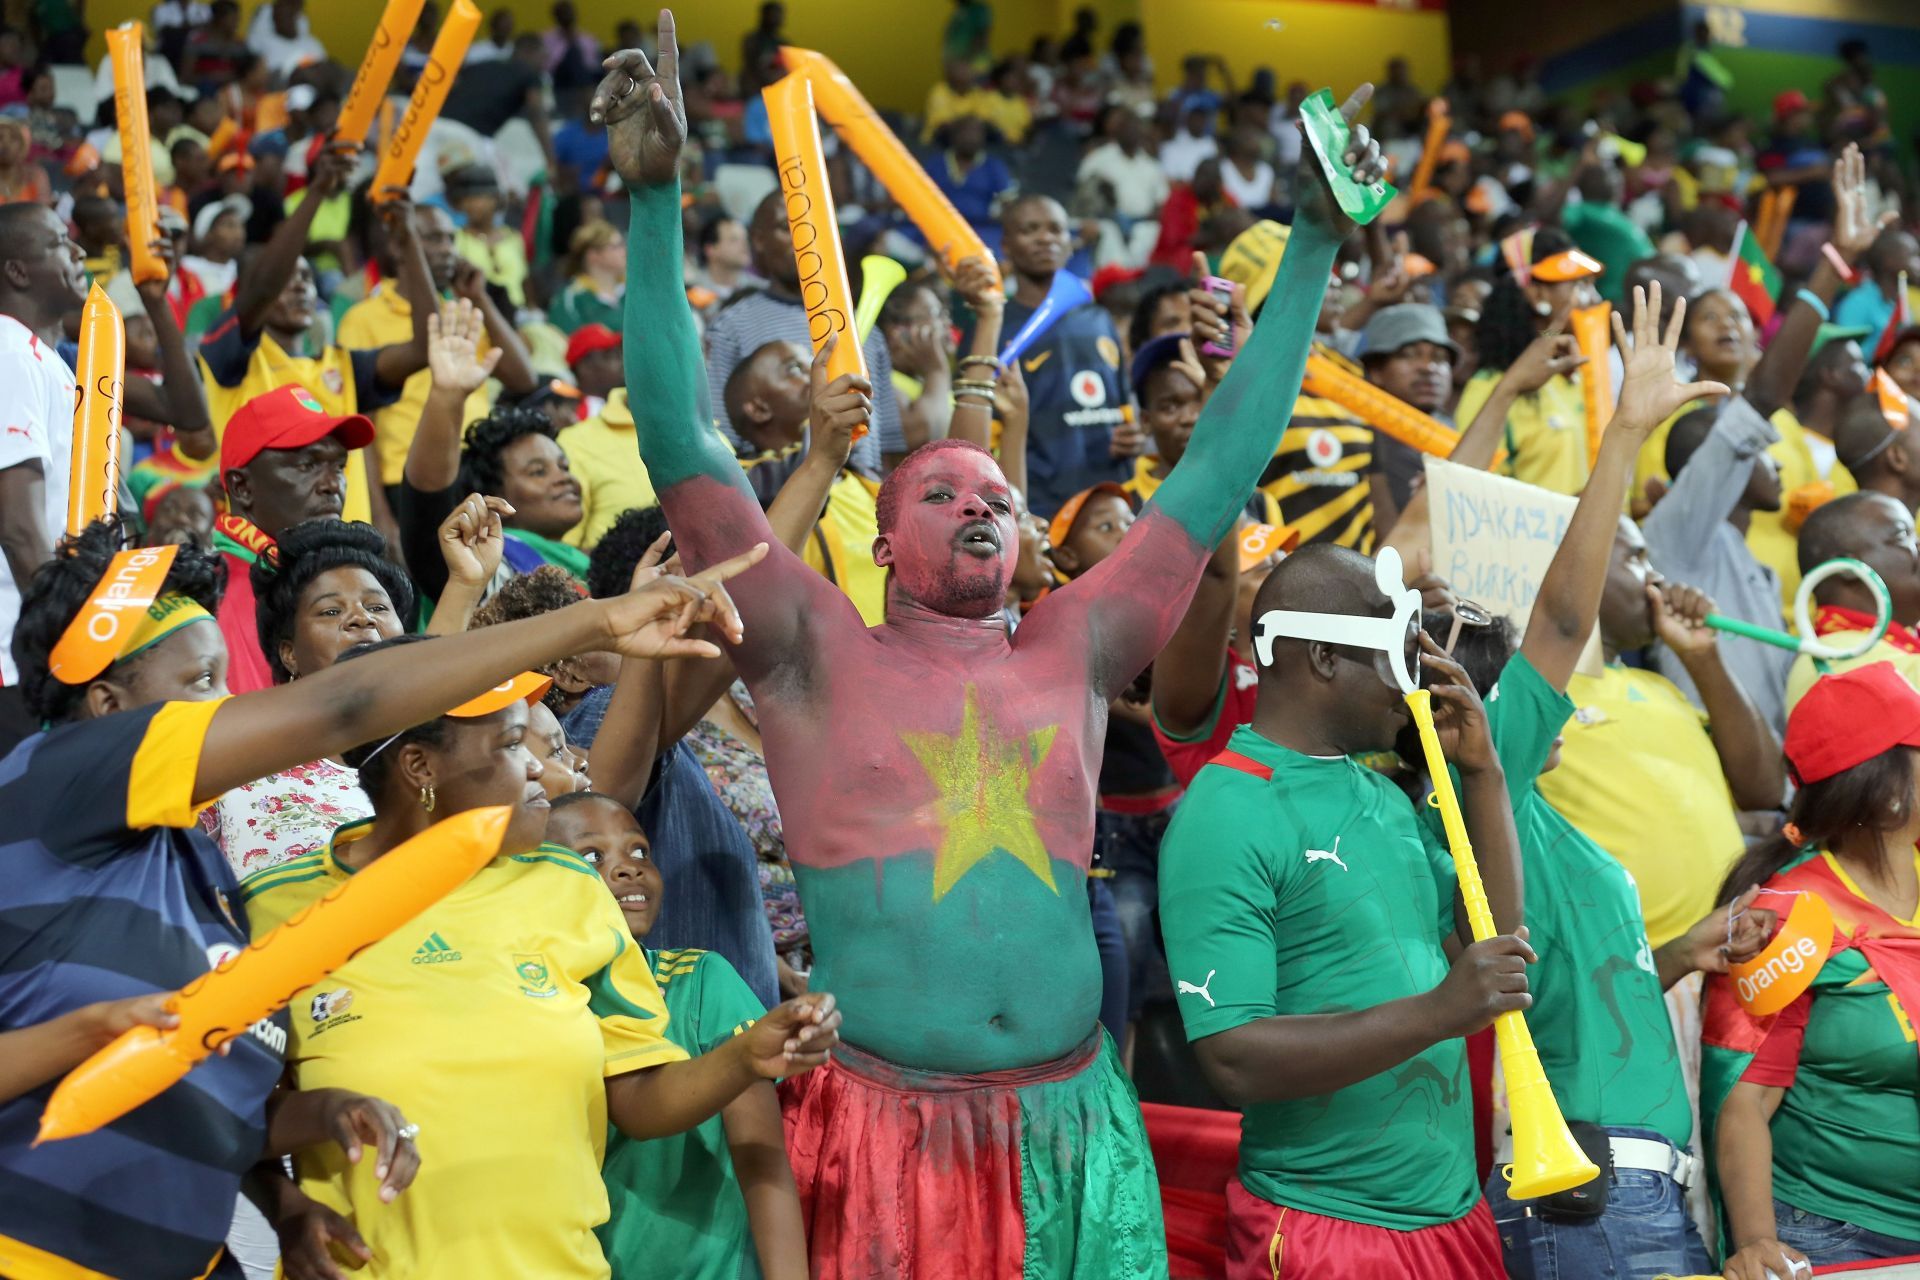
(604, 833)
(1097, 533)
(782, 382)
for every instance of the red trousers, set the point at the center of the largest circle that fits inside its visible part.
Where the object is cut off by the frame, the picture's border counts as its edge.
(1268, 1242)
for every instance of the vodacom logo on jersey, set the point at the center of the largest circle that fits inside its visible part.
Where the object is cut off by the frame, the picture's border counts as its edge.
(98, 632)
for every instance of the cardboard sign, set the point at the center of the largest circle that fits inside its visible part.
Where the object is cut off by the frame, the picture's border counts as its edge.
(1493, 539)
(1775, 978)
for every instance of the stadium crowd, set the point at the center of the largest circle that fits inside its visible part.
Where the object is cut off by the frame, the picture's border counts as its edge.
(907, 774)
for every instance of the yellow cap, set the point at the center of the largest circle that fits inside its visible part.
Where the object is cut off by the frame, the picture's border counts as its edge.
(1253, 258)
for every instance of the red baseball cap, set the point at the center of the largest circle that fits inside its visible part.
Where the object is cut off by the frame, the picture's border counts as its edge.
(1850, 718)
(1788, 101)
(589, 338)
(287, 417)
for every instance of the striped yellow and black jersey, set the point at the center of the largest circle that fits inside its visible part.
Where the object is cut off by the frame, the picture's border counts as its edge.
(1319, 475)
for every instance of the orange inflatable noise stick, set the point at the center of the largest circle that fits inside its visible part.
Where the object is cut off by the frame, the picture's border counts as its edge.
(93, 486)
(1439, 124)
(1378, 409)
(136, 149)
(376, 69)
(802, 167)
(867, 135)
(213, 1009)
(429, 95)
(1593, 333)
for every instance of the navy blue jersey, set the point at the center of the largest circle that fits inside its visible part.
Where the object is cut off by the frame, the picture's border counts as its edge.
(108, 890)
(1077, 398)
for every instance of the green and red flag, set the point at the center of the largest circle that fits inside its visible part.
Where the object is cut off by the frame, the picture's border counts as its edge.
(1752, 277)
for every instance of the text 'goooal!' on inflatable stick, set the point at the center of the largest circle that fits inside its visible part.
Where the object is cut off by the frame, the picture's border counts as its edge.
(867, 136)
(1808, 641)
(93, 484)
(125, 50)
(429, 96)
(382, 59)
(144, 1062)
(822, 268)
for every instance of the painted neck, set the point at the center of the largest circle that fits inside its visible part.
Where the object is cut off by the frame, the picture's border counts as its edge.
(910, 620)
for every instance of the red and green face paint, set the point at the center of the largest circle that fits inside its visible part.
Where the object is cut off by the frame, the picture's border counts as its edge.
(952, 540)
(936, 776)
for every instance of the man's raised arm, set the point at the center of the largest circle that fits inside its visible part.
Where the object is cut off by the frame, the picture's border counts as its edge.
(690, 465)
(1133, 601)
(1244, 420)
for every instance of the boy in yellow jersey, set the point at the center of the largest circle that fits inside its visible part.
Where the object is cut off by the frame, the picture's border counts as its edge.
(770, 398)
(515, 1016)
(1546, 433)
(385, 318)
(250, 349)
(717, 1202)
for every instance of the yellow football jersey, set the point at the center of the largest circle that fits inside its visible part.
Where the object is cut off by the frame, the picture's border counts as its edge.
(491, 1020)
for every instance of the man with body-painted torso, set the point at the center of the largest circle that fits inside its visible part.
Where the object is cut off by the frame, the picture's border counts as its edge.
(936, 778)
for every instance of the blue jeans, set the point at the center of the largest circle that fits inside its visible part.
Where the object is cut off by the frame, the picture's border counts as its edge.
(1644, 1232)
(1827, 1240)
(1129, 846)
(1113, 959)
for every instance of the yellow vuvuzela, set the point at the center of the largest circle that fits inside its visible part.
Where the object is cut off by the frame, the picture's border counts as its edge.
(1546, 1159)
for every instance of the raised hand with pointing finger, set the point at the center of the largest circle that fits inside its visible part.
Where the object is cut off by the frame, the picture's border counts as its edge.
(645, 115)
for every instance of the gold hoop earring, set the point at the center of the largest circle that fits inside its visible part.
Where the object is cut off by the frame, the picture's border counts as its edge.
(426, 798)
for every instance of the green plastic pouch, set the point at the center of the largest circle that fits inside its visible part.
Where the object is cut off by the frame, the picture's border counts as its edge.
(1327, 131)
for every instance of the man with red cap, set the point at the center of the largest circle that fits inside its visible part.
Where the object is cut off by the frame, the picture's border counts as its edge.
(283, 459)
(593, 353)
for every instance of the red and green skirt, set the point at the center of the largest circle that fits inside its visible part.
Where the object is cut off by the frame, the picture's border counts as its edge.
(1010, 1175)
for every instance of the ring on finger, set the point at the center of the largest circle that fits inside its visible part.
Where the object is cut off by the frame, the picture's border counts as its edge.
(408, 1132)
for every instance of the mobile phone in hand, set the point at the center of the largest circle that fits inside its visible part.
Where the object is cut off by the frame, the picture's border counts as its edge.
(1223, 290)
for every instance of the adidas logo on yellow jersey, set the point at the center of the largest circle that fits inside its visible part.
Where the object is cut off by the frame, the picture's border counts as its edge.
(435, 951)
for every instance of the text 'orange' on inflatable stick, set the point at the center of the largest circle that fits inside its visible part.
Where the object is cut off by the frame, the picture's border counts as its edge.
(1593, 333)
(1379, 409)
(429, 95)
(376, 69)
(136, 150)
(93, 487)
(816, 233)
(145, 1062)
(862, 129)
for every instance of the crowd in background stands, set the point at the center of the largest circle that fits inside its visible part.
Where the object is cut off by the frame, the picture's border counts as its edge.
(477, 322)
